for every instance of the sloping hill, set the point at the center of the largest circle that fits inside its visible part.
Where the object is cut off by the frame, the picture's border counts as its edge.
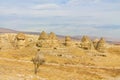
(5, 30)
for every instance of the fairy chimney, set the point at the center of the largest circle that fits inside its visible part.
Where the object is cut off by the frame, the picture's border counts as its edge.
(101, 45)
(42, 40)
(43, 36)
(95, 42)
(20, 40)
(68, 41)
(0, 43)
(54, 42)
(52, 36)
(47, 40)
(86, 43)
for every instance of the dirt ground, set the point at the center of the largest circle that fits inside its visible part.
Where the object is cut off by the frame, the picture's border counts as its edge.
(83, 65)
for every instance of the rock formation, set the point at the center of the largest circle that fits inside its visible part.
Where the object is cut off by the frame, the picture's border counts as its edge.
(68, 41)
(6, 41)
(101, 45)
(43, 36)
(21, 40)
(86, 43)
(47, 41)
(42, 40)
(52, 36)
(54, 42)
(95, 42)
(0, 43)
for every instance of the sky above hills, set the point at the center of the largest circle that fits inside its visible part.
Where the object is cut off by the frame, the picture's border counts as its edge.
(66, 17)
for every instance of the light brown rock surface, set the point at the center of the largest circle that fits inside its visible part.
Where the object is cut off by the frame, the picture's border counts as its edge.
(47, 41)
(95, 42)
(86, 43)
(43, 36)
(20, 40)
(52, 36)
(6, 41)
(68, 41)
(101, 45)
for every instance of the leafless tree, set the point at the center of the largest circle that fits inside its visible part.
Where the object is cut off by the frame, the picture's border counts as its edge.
(38, 60)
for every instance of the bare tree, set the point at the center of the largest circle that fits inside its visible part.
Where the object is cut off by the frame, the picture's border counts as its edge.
(38, 60)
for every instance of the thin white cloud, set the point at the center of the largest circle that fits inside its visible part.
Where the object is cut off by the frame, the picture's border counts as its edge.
(46, 6)
(79, 2)
(72, 12)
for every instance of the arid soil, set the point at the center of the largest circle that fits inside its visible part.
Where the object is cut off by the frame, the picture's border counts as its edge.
(74, 64)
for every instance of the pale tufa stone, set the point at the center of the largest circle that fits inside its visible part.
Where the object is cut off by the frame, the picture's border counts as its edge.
(101, 45)
(68, 41)
(20, 40)
(86, 43)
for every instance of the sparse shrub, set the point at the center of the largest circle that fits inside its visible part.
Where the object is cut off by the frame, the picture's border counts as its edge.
(37, 61)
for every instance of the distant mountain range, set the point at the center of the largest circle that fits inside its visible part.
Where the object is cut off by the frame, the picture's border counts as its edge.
(5, 30)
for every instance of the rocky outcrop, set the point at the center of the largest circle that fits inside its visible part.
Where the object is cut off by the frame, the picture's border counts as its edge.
(52, 36)
(86, 43)
(101, 45)
(54, 42)
(6, 41)
(43, 36)
(20, 40)
(0, 43)
(42, 40)
(47, 40)
(68, 41)
(95, 42)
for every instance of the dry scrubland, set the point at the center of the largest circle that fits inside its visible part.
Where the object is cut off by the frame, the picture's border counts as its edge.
(68, 63)
(16, 65)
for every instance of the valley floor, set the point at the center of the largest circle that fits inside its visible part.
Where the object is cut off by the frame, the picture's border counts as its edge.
(19, 67)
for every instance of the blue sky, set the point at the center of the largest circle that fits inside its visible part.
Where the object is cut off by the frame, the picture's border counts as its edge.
(66, 17)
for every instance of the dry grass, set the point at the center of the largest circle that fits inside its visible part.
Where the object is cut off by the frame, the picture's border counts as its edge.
(114, 50)
(77, 51)
(26, 53)
(14, 70)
